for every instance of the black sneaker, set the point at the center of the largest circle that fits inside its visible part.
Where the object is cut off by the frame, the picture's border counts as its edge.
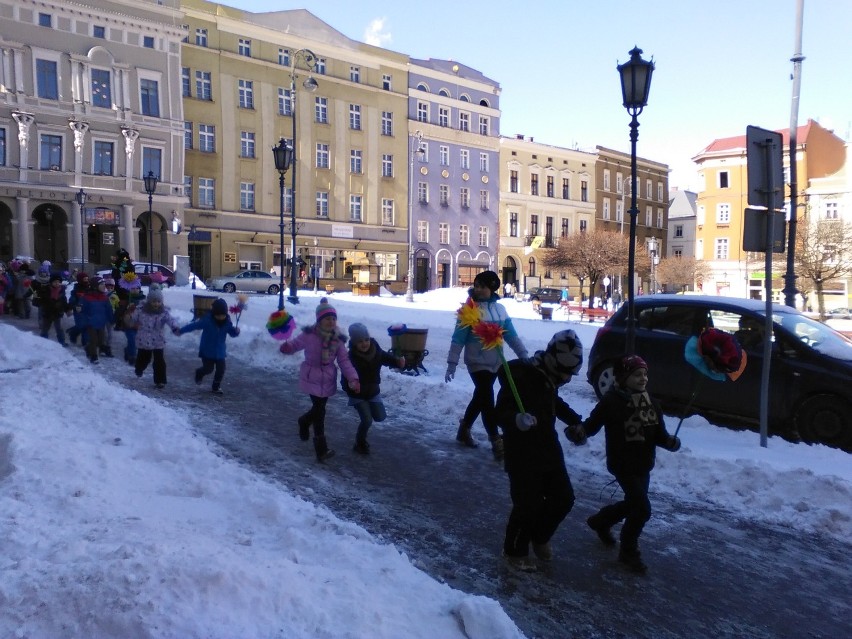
(543, 551)
(632, 560)
(217, 391)
(304, 428)
(160, 385)
(198, 378)
(94, 360)
(328, 454)
(361, 446)
(604, 534)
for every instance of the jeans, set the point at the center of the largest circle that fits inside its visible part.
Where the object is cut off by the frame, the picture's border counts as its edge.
(209, 366)
(57, 324)
(130, 349)
(369, 411)
(634, 509)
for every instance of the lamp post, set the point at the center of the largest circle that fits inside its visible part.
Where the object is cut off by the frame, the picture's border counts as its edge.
(283, 155)
(309, 59)
(416, 147)
(635, 85)
(81, 202)
(621, 226)
(151, 181)
(652, 250)
(316, 269)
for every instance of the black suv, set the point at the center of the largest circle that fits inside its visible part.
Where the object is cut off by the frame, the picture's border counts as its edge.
(545, 294)
(810, 384)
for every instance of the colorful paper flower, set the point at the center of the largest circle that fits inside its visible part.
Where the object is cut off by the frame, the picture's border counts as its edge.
(490, 334)
(281, 325)
(469, 314)
(129, 281)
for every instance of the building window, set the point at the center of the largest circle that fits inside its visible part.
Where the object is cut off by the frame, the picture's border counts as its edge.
(101, 88)
(284, 57)
(649, 190)
(464, 235)
(102, 155)
(51, 153)
(387, 212)
(322, 155)
(244, 47)
(660, 191)
(584, 191)
(246, 144)
(423, 153)
(464, 197)
(246, 93)
(533, 225)
(721, 248)
(387, 123)
(464, 121)
(45, 20)
(187, 189)
(422, 112)
(831, 211)
(322, 204)
(583, 226)
(152, 161)
(2, 147)
(619, 210)
(659, 218)
(723, 179)
(321, 110)
(320, 66)
(464, 157)
(355, 204)
(484, 162)
(723, 213)
(550, 187)
(513, 182)
(606, 208)
(483, 236)
(148, 42)
(532, 266)
(566, 189)
(206, 193)
(285, 102)
(203, 85)
(288, 199)
(678, 230)
(566, 227)
(387, 165)
(534, 184)
(187, 135)
(387, 82)
(47, 79)
(355, 161)
(355, 74)
(444, 233)
(185, 83)
(513, 224)
(444, 197)
(606, 180)
(149, 93)
(444, 155)
(648, 216)
(201, 37)
(484, 125)
(246, 196)
(422, 192)
(207, 138)
(484, 200)
(355, 117)
(422, 231)
(443, 116)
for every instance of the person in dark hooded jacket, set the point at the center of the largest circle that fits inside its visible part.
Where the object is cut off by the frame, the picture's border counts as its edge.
(53, 304)
(215, 328)
(368, 358)
(539, 485)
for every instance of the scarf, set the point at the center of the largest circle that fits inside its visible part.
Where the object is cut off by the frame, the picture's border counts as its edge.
(366, 356)
(330, 341)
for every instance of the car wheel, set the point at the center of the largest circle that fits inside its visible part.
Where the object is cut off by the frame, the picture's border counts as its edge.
(603, 378)
(229, 288)
(825, 419)
(273, 290)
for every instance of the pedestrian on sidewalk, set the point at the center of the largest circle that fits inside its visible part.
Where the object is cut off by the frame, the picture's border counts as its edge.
(150, 319)
(75, 298)
(482, 364)
(325, 350)
(53, 304)
(634, 427)
(215, 327)
(96, 313)
(539, 485)
(368, 358)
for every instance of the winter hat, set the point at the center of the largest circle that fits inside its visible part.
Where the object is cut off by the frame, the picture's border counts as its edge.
(82, 277)
(220, 306)
(358, 331)
(488, 279)
(324, 309)
(109, 281)
(627, 366)
(567, 351)
(156, 295)
(56, 277)
(94, 283)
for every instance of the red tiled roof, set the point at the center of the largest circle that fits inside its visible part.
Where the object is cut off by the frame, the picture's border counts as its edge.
(739, 141)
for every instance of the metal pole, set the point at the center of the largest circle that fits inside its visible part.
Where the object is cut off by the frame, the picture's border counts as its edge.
(414, 148)
(293, 298)
(631, 254)
(281, 240)
(316, 269)
(150, 234)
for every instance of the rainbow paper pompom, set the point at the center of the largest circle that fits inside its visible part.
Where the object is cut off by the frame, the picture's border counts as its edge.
(281, 325)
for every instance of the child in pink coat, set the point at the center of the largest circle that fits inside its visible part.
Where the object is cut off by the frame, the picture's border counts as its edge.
(325, 350)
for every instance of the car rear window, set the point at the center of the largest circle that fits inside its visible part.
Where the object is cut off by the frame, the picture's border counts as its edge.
(678, 320)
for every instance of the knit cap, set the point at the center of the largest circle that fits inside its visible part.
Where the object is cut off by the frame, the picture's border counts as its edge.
(155, 295)
(627, 366)
(488, 279)
(358, 331)
(220, 306)
(324, 309)
(567, 349)
(56, 277)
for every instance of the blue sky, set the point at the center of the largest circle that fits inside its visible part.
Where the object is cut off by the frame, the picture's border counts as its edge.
(719, 66)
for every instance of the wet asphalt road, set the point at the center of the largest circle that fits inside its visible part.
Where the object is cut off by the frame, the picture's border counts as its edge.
(711, 574)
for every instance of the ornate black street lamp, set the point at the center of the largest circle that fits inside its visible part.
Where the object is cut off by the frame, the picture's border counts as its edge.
(81, 202)
(283, 155)
(151, 181)
(635, 86)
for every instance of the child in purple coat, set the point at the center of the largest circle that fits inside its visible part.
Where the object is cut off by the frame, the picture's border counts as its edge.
(325, 350)
(150, 319)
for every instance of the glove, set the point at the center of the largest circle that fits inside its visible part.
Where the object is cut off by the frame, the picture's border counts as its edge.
(236, 330)
(355, 386)
(176, 331)
(525, 421)
(451, 372)
(673, 444)
(576, 434)
(400, 363)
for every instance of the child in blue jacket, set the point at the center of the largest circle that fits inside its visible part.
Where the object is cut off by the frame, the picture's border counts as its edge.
(96, 311)
(215, 327)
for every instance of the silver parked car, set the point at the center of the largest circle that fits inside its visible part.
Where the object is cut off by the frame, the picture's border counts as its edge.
(246, 280)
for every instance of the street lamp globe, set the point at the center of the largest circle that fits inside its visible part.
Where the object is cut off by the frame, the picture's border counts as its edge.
(81, 202)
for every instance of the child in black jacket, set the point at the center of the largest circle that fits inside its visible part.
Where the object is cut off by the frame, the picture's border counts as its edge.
(634, 427)
(368, 358)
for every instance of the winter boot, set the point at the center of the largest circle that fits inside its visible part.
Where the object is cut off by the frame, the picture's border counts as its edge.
(463, 435)
(322, 449)
(304, 428)
(543, 551)
(632, 560)
(216, 389)
(497, 448)
(361, 446)
(604, 533)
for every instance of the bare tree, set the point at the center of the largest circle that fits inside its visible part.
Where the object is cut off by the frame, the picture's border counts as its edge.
(681, 272)
(823, 254)
(591, 256)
